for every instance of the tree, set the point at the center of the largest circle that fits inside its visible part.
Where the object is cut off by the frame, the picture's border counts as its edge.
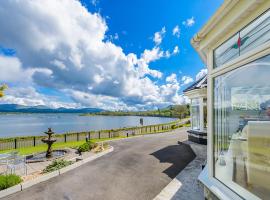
(2, 88)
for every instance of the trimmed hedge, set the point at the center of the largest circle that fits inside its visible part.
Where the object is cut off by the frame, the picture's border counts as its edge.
(9, 180)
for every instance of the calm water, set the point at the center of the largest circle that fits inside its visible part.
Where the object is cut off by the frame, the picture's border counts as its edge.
(35, 124)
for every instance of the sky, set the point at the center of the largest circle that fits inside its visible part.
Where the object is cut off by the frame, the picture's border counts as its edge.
(114, 55)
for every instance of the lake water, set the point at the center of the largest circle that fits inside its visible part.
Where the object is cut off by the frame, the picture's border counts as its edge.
(35, 124)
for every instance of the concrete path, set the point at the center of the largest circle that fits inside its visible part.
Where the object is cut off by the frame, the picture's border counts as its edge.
(139, 168)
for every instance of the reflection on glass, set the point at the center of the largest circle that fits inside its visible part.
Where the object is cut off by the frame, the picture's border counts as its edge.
(242, 129)
(205, 113)
(195, 114)
(250, 37)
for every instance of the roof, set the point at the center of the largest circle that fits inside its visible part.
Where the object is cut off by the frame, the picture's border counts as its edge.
(201, 83)
(227, 7)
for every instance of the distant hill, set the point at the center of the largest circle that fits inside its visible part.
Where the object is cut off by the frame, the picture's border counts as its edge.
(43, 109)
(177, 111)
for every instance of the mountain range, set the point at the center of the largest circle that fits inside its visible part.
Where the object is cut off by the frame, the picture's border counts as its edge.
(44, 109)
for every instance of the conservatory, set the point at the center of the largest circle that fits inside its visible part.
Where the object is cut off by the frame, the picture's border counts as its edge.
(198, 110)
(235, 45)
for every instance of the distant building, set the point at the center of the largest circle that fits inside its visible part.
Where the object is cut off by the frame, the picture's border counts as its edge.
(235, 45)
(197, 93)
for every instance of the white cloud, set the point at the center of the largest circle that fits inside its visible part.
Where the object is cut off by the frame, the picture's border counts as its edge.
(158, 36)
(189, 22)
(186, 80)
(61, 45)
(176, 50)
(201, 74)
(28, 96)
(152, 55)
(12, 71)
(172, 78)
(176, 31)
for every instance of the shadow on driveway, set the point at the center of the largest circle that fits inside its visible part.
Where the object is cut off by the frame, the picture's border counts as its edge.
(179, 155)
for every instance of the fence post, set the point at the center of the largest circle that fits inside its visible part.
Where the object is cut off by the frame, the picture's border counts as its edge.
(65, 136)
(77, 136)
(99, 135)
(34, 141)
(15, 143)
(127, 134)
(89, 135)
(109, 134)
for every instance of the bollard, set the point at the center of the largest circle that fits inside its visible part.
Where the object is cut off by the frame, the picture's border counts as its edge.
(15, 143)
(89, 135)
(99, 135)
(65, 138)
(127, 134)
(34, 141)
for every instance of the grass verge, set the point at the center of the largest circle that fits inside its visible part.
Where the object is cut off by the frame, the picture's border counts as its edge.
(40, 148)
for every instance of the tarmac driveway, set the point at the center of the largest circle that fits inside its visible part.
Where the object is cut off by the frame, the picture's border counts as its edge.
(138, 169)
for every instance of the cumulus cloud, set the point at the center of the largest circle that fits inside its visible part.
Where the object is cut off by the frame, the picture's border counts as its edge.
(172, 78)
(61, 45)
(158, 36)
(12, 71)
(201, 74)
(176, 50)
(186, 80)
(28, 96)
(176, 31)
(189, 22)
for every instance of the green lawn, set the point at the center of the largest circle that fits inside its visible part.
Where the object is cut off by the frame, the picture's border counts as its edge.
(40, 148)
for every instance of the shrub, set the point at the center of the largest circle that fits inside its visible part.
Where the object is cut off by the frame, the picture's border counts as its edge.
(56, 164)
(9, 180)
(87, 146)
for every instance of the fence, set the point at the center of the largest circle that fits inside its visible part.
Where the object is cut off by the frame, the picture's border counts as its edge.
(20, 142)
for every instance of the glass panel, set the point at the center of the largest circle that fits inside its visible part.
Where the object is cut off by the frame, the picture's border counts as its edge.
(226, 52)
(242, 129)
(195, 114)
(250, 37)
(255, 33)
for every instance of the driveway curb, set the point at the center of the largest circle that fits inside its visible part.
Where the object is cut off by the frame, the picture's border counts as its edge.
(27, 184)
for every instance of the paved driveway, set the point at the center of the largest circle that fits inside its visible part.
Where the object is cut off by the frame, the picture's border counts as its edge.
(139, 168)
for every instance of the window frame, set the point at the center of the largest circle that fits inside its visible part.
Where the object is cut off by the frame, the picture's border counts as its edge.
(250, 56)
(233, 35)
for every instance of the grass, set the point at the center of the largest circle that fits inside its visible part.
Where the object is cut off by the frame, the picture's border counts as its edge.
(40, 148)
(9, 180)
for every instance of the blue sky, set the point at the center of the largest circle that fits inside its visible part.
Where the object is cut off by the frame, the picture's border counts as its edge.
(127, 55)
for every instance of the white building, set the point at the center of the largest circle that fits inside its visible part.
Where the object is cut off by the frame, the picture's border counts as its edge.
(235, 45)
(198, 110)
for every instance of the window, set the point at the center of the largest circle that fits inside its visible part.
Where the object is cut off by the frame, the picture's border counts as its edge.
(242, 129)
(195, 114)
(253, 35)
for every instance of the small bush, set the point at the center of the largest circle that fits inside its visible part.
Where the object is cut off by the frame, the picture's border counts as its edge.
(87, 146)
(10, 180)
(56, 164)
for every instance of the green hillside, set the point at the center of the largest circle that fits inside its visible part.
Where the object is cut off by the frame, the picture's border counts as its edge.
(177, 111)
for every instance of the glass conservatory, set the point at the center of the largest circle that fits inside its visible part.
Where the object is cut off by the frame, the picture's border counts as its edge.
(198, 112)
(235, 44)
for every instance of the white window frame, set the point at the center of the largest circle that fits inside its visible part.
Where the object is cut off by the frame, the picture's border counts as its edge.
(256, 53)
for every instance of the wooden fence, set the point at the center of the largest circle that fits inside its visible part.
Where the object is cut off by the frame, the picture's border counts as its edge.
(20, 142)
